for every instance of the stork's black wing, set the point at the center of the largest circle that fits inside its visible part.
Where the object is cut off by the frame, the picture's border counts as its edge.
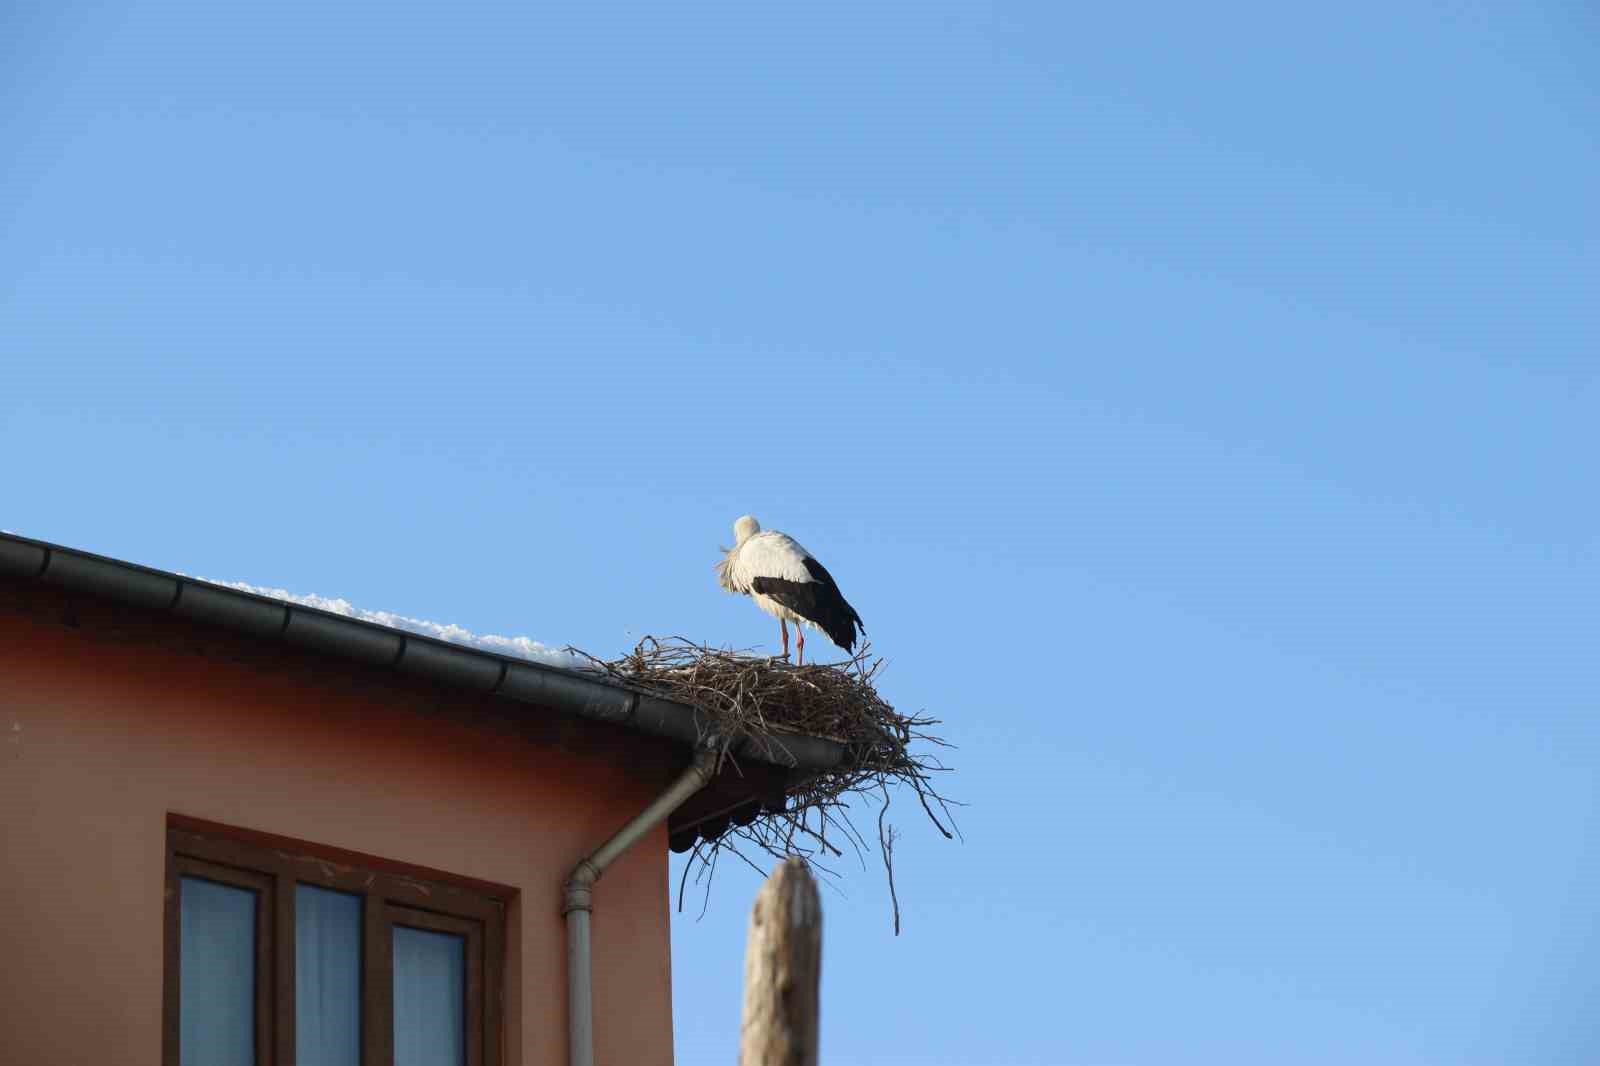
(818, 600)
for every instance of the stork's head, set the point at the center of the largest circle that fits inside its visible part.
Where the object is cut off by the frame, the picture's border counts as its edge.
(745, 528)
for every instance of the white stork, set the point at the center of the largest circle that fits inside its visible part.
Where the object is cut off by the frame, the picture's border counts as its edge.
(788, 583)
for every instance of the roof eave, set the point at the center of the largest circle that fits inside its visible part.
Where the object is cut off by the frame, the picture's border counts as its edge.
(483, 672)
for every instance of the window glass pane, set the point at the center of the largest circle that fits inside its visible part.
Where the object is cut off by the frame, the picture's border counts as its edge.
(430, 993)
(327, 977)
(217, 974)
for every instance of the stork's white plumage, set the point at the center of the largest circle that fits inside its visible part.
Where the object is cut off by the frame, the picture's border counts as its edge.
(788, 583)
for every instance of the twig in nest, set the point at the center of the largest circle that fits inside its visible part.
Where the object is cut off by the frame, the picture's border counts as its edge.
(886, 835)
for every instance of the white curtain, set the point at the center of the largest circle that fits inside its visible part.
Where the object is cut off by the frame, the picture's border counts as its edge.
(429, 998)
(327, 977)
(217, 975)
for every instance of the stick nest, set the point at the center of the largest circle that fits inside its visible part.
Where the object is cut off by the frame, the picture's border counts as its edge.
(741, 696)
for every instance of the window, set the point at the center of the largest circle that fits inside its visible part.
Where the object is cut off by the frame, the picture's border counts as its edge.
(280, 953)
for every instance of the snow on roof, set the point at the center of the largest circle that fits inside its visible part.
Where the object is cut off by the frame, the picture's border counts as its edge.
(516, 647)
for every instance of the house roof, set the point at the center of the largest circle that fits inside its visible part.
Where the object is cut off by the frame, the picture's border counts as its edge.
(471, 669)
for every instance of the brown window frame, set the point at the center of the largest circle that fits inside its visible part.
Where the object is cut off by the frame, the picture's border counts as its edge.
(391, 895)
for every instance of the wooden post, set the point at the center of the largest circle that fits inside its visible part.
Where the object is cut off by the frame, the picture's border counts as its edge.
(782, 967)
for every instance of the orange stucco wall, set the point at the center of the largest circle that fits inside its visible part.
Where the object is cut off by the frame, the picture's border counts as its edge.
(101, 738)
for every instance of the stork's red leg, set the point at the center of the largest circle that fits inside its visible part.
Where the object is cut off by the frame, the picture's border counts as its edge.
(800, 640)
(783, 627)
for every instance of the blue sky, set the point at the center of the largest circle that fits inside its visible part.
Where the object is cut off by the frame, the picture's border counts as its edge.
(1198, 403)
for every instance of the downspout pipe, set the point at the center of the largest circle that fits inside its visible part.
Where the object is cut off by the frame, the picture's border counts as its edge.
(577, 901)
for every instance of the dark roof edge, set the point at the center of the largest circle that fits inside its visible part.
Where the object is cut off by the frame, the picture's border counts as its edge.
(484, 672)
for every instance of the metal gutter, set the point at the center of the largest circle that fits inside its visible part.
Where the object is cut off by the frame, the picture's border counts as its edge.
(566, 691)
